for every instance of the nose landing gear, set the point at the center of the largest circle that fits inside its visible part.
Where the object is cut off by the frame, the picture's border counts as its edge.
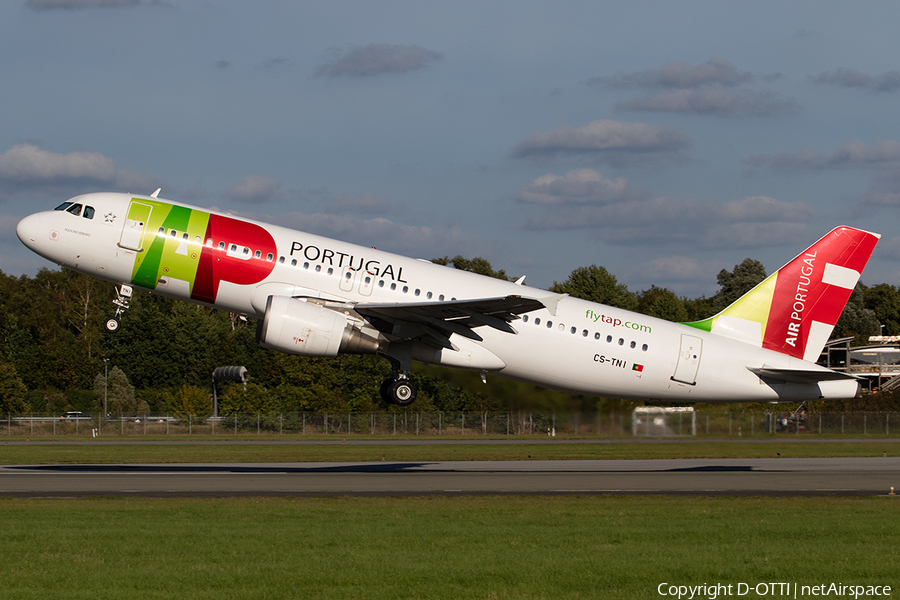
(123, 295)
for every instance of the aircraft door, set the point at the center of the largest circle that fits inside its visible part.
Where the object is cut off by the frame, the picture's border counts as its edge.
(688, 360)
(135, 225)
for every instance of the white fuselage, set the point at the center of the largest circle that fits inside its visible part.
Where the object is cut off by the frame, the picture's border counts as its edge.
(581, 347)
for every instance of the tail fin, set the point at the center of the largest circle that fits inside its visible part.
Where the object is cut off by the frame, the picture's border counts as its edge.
(795, 309)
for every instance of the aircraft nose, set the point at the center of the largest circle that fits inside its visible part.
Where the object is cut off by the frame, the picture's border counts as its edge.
(27, 230)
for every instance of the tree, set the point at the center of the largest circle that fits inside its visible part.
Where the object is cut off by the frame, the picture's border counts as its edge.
(734, 284)
(857, 320)
(189, 400)
(597, 285)
(120, 398)
(662, 304)
(473, 265)
(12, 390)
(884, 300)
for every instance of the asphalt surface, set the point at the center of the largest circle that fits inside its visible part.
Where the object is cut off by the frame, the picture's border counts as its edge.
(701, 477)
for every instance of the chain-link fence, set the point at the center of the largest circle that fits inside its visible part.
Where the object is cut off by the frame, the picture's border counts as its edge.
(746, 423)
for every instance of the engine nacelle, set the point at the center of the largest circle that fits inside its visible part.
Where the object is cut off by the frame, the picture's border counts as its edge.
(299, 327)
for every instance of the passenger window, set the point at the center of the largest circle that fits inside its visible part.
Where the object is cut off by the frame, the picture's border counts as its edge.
(318, 268)
(88, 212)
(597, 335)
(246, 250)
(405, 288)
(210, 243)
(621, 342)
(393, 286)
(524, 317)
(294, 262)
(381, 283)
(162, 231)
(185, 236)
(417, 292)
(609, 339)
(197, 240)
(644, 347)
(584, 333)
(537, 321)
(233, 248)
(633, 344)
(441, 297)
(281, 260)
(428, 295)
(270, 257)
(75, 209)
(573, 330)
(330, 270)
(549, 324)
(306, 265)
(257, 254)
(173, 233)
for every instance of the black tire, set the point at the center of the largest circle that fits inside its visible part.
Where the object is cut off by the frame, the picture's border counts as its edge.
(112, 324)
(385, 394)
(402, 392)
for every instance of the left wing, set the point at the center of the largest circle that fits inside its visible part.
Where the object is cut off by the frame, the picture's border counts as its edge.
(435, 322)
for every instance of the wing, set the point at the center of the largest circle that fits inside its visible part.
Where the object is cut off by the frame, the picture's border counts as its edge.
(800, 375)
(435, 322)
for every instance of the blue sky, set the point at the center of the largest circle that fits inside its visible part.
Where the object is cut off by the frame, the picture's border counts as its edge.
(662, 140)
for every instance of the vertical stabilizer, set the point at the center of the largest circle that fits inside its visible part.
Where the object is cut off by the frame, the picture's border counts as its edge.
(795, 309)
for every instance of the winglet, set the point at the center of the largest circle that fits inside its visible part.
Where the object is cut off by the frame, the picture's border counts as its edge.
(156, 193)
(796, 308)
(551, 303)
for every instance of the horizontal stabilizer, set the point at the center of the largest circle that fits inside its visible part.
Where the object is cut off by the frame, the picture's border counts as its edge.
(800, 375)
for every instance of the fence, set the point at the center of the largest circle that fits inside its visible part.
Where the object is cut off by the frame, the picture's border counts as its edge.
(408, 423)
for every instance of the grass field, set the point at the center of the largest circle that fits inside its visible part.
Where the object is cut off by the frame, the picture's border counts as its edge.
(537, 547)
(232, 451)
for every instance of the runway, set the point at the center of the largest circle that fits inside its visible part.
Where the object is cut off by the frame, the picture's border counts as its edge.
(701, 477)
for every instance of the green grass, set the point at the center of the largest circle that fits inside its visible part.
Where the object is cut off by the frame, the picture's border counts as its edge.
(540, 547)
(28, 453)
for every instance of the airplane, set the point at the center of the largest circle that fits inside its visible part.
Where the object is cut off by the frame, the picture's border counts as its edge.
(315, 296)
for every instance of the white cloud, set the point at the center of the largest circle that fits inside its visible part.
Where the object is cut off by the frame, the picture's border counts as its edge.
(254, 189)
(886, 82)
(703, 90)
(615, 142)
(678, 75)
(581, 186)
(750, 222)
(716, 101)
(376, 59)
(852, 154)
(26, 163)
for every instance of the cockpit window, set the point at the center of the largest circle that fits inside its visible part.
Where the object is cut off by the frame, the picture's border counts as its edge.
(63, 206)
(75, 209)
(88, 212)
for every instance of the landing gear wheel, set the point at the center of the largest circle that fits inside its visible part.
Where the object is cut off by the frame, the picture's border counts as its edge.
(402, 392)
(112, 324)
(383, 390)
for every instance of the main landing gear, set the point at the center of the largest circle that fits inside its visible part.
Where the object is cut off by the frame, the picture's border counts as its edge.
(398, 388)
(123, 295)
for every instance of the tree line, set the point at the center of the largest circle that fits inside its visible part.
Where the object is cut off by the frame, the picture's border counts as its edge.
(55, 355)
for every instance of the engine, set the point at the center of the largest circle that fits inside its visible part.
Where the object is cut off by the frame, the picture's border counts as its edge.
(298, 327)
